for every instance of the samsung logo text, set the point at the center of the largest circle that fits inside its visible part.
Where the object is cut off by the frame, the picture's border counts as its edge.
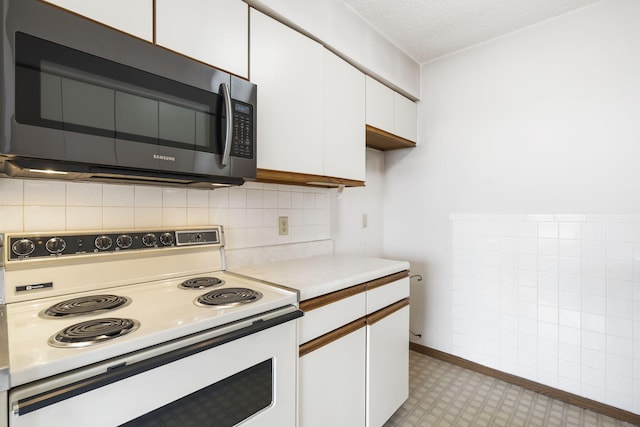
(167, 158)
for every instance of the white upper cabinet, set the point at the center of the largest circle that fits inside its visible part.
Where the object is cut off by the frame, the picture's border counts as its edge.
(311, 104)
(391, 112)
(215, 32)
(344, 119)
(379, 105)
(288, 69)
(405, 117)
(130, 16)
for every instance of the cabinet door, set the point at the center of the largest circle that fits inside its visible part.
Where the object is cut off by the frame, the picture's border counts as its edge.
(212, 31)
(405, 117)
(379, 105)
(391, 112)
(288, 69)
(387, 366)
(130, 16)
(344, 119)
(332, 383)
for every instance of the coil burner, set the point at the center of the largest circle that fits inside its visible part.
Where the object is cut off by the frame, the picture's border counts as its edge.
(201, 283)
(228, 297)
(93, 332)
(92, 304)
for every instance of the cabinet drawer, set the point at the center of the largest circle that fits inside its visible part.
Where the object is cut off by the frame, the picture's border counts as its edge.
(325, 319)
(381, 296)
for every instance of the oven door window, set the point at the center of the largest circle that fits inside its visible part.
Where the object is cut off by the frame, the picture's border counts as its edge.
(223, 404)
(63, 88)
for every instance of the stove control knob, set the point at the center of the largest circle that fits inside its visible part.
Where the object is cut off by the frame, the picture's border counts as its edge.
(166, 239)
(103, 242)
(56, 245)
(23, 247)
(124, 241)
(150, 240)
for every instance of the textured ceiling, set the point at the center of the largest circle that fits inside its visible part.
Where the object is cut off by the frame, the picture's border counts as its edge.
(429, 29)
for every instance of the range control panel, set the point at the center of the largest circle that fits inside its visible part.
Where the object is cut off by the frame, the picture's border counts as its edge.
(26, 246)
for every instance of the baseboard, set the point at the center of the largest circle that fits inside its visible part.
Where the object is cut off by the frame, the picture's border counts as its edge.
(571, 398)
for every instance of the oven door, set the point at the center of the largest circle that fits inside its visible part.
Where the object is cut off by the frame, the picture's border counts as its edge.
(244, 374)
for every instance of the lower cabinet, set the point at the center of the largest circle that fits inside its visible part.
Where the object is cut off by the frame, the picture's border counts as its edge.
(387, 365)
(354, 356)
(332, 382)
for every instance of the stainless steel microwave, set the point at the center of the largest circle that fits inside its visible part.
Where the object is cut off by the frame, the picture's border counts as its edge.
(83, 101)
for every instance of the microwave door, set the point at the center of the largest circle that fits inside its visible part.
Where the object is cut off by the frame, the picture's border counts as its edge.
(192, 131)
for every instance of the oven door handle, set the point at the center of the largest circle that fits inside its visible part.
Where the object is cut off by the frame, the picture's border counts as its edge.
(50, 397)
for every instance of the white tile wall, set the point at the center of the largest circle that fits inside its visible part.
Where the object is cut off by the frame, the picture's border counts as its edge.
(249, 213)
(551, 298)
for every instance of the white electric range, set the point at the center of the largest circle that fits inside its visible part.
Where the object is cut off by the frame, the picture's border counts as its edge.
(148, 324)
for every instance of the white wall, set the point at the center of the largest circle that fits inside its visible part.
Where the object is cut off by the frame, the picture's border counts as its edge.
(349, 232)
(338, 27)
(541, 121)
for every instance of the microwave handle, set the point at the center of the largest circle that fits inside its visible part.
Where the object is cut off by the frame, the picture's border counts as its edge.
(226, 149)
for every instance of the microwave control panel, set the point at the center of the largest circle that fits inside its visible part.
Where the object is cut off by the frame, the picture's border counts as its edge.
(242, 142)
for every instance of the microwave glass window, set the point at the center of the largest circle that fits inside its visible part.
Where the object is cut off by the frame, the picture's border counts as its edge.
(176, 123)
(62, 88)
(50, 96)
(136, 116)
(87, 106)
(203, 129)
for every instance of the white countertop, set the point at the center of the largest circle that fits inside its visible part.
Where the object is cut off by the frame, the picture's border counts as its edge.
(319, 275)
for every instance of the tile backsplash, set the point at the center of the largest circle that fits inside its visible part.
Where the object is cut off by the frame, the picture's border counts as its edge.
(249, 213)
(551, 298)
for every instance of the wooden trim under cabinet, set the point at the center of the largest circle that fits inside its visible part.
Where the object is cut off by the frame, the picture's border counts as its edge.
(387, 311)
(332, 297)
(385, 141)
(309, 180)
(386, 280)
(332, 336)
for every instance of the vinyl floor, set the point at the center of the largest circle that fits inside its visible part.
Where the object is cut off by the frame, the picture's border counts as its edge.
(442, 394)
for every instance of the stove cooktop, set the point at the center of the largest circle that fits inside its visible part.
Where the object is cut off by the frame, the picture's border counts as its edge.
(84, 306)
(159, 311)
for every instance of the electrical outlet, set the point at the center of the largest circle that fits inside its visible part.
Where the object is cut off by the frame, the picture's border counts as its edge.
(283, 225)
(365, 221)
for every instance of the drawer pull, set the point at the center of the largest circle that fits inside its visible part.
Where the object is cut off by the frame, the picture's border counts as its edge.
(332, 336)
(387, 311)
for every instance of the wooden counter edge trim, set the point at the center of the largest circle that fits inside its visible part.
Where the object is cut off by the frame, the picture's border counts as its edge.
(565, 396)
(387, 311)
(332, 336)
(332, 297)
(386, 280)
